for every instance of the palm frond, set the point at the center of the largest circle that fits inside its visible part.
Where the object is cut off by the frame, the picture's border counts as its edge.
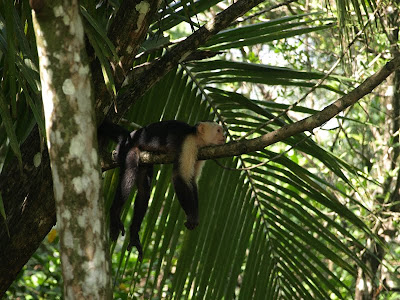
(261, 229)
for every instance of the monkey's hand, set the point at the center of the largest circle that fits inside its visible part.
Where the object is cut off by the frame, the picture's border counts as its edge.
(116, 227)
(191, 222)
(134, 241)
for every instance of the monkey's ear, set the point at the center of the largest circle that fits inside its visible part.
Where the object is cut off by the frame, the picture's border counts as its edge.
(201, 128)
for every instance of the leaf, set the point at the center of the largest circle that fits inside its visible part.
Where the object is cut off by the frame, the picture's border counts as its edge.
(10, 56)
(7, 122)
(261, 33)
(99, 30)
(3, 214)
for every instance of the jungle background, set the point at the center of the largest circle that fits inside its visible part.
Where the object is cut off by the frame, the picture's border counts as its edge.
(313, 216)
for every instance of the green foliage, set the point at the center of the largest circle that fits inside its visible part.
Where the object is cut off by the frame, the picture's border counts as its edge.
(41, 277)
(282, 198)
(291, 226)
(19, 79)
(264, 32)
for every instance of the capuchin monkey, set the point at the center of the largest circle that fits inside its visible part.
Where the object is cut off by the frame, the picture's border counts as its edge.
(161, 137)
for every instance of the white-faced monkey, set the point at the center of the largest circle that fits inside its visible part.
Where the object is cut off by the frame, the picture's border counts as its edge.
(160, 137)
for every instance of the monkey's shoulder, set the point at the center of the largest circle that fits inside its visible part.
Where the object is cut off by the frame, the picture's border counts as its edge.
(171, 127)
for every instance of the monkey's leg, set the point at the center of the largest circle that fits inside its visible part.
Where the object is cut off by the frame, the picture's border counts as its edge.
(128, 172)
(143, 183)
(115, 211)
(188, 199)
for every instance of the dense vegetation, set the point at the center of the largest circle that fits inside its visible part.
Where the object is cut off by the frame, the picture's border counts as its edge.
(312, 216)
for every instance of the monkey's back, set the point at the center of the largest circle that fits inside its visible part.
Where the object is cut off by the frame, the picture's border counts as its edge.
(164, 136)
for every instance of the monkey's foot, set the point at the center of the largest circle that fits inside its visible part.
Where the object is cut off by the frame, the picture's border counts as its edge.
(134, 241)
(116, 227)
(190, 224)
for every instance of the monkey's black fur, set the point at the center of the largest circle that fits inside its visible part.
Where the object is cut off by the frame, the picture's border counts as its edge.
(161, 137)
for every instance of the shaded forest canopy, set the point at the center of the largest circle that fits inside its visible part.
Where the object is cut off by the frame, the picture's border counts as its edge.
(309, 100)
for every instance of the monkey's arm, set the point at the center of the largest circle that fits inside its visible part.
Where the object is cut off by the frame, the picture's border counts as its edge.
(188, 199)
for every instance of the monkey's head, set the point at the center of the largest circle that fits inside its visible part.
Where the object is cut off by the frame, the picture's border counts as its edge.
(210, 133)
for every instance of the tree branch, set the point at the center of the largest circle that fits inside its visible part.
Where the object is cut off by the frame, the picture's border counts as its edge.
(127, 37)
(159, 68)
(307, 124)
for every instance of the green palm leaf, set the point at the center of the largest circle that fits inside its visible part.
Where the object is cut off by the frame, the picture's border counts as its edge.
(258, 227)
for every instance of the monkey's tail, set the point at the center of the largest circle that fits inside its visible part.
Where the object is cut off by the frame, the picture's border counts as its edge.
(113, 131)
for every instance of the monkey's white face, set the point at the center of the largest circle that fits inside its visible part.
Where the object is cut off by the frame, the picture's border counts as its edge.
(211, 133)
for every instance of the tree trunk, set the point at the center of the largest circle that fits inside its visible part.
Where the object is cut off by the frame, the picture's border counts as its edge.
(28, 195)
(71, 139)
